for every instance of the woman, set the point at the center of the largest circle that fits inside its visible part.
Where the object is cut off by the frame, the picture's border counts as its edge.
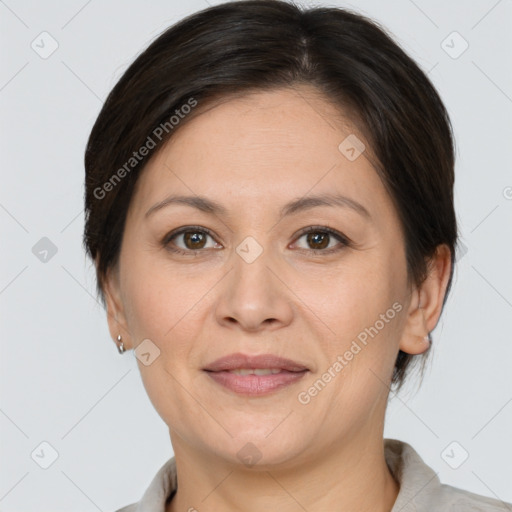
(269, 205)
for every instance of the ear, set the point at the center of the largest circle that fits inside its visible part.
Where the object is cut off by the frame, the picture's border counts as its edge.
(116, 317)
(427, 303)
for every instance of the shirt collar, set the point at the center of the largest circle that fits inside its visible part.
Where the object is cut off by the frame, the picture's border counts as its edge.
(416, 479)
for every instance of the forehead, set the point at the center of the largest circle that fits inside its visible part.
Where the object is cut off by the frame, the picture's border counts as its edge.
(284, 142)
(289, 123)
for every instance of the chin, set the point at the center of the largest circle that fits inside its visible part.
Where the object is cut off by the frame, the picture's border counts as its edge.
(266, 446)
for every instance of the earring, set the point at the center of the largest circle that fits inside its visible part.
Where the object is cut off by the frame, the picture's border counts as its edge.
(120, 346)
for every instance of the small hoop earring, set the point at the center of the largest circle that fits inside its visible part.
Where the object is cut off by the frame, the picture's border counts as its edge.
(120, 345)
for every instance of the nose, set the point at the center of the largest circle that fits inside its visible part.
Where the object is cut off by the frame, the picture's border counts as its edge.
(253, 297)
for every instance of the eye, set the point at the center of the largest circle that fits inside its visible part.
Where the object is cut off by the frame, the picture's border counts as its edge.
(323, 239)
(192, 238)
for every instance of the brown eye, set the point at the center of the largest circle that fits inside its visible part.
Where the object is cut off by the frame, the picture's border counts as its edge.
(189, 240)
(322, 240)
(318, 240)
(194, 239)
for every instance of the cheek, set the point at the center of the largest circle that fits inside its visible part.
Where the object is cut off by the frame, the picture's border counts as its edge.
(363, 307)
(170, 309)
(158, 298)
(357, 298)
(160, 307)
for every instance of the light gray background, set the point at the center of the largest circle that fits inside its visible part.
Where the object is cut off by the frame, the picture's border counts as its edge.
(62, 379)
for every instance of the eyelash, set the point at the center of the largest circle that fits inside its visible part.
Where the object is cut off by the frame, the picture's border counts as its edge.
(344, 241)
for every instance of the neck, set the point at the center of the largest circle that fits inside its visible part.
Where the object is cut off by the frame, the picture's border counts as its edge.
(352, 477)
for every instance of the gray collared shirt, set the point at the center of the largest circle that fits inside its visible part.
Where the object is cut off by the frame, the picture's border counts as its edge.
(420, 488)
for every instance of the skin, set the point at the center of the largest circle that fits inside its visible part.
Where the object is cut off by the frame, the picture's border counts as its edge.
(253, 154)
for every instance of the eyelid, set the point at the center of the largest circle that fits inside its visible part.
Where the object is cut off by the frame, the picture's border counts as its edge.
(344, 240)
(179, 231)
(184, 229)
(326, 229)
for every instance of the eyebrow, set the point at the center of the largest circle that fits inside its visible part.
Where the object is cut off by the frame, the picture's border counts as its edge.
(297, 205)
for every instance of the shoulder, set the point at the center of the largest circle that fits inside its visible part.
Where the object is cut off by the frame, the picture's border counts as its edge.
(422, 491)
(159, 491)
(129, 508)
(453, 499)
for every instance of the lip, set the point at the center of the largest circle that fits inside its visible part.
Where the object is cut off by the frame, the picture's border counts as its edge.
(255, 385)
(239, 360)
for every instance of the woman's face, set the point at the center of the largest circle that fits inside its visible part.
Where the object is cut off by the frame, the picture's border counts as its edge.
(245, 279)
